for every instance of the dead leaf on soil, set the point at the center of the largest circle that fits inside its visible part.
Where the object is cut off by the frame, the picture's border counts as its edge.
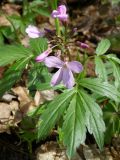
(7, 113)
(42, 96)
(4, 21)
(26, 102)
(11, 9)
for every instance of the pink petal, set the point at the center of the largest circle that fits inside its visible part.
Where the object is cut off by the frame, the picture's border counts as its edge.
(42, 56)
(57, 77)
(33, 32)
(75, 66)
(68, 78)
(54, 14)
(83, 45)
(53, 61)
(62, 9)
(63, 17)
(60, 13)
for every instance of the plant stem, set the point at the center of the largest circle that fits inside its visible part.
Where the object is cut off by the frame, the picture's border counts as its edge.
(57, 25)
(25, 7)
(55, 4)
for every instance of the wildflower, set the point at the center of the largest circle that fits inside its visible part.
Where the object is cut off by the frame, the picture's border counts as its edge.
(60, 13)
(64, 74)
(83, 45)
(33, 32)
(43, 55)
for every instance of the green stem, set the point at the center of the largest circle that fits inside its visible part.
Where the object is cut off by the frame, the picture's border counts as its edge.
(56, 3)
(57, 25)
(25, 7)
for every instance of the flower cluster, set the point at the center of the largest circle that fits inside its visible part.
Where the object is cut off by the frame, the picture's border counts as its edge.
(60, 13)
(65, 68)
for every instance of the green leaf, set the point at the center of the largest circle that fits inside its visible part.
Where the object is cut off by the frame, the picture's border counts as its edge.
(1, 39)
(10, 53)
(47, 85)
(74, 129)
(36, 3)
(112, 121)
(113, 58)
(27, 130)
(94, 119)
(7, 32)
(15, 20)
(100, 69)
(116, 73)
(43, 11)
(101, 88)
(54, 111)
(38, 76)
(12, 75)
(39, 7)
(103, 46)
(39, 45)
(115, 2)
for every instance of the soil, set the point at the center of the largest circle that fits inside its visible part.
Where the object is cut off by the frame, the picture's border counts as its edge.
(11, 149)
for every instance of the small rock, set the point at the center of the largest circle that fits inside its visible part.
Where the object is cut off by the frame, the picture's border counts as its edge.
(8, 97)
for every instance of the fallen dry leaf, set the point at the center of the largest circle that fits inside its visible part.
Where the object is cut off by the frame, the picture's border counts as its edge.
(42, 96)
(4, 21)
(26, 102)
(7, 114)
(38, 99)
(23, 95)
(5, 111)
(48, 94)
(11, 9)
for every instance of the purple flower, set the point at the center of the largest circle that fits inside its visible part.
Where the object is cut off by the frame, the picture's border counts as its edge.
(83, 45)
(33, 32)
(60, 13)
(64, 74)
(43, 55)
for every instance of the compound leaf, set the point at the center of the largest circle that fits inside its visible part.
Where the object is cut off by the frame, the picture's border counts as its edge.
(94, 118)
(54, 111)
(74, 129)
(10, 53)
(101, 88)
(12, 75)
